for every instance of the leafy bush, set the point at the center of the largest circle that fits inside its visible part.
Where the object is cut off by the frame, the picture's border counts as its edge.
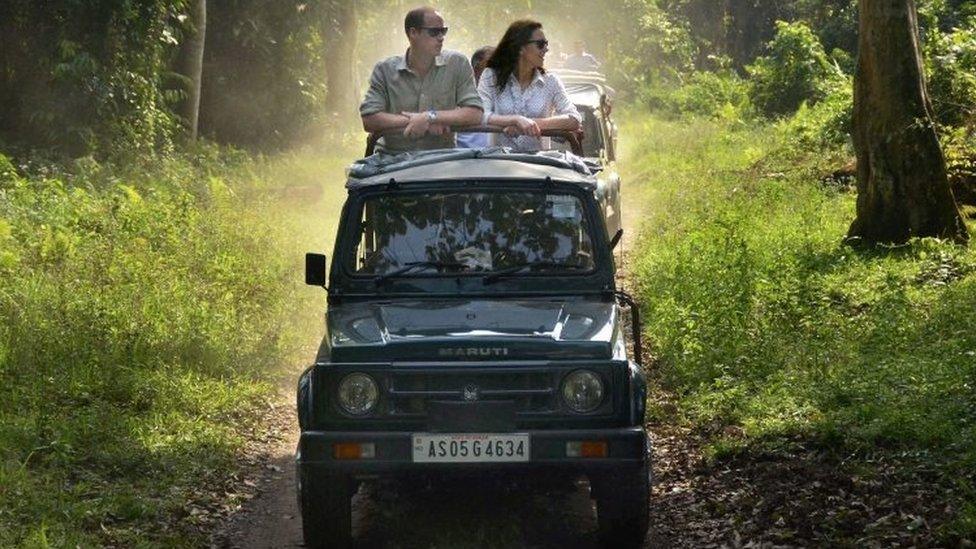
(793, 71)
(825, 125)
(98, 77)
(950, 63)
(264, 62)
(713, 94)
(83, 76)
(658, 52)
(959, 145)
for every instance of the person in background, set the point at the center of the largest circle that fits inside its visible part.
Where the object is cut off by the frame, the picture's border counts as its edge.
(579, 60)
(479, 60)
(519, 95)
(470, 140)
(422, 93)
(557, 55)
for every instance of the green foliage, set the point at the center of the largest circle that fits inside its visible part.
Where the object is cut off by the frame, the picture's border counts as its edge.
(944, 15)
(736, 30)
(824, 126)
(101, 77)
(959, 145)
(145, 313)
(796, 77)
(794, 70)
(264, 69)
(762, 318)
(950, 63)
(84, 76)
(722, 95)
(834, 21)
(739, 30)
(660, 50)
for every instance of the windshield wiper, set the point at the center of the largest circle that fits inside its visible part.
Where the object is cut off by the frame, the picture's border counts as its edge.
(414, 265)
(532, 266)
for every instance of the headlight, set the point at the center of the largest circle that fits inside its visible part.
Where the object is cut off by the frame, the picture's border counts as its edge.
(358, 394)
(582, 391)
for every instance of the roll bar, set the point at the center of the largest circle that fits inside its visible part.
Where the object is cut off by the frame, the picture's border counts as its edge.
(574, 137)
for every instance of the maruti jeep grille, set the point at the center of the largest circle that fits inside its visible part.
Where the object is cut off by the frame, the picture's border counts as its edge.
(532, 392)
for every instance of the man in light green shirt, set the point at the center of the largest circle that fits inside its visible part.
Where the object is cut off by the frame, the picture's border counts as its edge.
(418, 96)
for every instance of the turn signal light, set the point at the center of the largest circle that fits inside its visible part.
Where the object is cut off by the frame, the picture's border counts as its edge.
(587, 449)
(354, 450)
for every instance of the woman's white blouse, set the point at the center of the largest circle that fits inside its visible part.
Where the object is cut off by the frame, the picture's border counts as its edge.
(543, 98)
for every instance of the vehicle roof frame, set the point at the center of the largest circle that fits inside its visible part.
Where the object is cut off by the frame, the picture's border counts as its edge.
(461, 164)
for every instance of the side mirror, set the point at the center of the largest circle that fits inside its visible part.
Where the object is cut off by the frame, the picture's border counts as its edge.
(616, 239)
(315, 270)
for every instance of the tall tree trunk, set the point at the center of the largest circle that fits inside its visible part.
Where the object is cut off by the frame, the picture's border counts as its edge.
(192, 65)
(8, 113)
(339, 31)
(903, 190)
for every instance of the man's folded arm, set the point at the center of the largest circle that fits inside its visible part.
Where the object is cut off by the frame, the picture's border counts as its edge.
(461, 116)
(384, 121)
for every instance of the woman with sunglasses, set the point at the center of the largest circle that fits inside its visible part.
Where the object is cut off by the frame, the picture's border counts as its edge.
(519, 95)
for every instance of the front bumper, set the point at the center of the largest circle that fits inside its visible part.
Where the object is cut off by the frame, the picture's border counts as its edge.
(627, 447)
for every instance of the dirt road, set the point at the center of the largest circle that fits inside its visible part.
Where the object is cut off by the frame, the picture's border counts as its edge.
(469, 514)
(473, 513)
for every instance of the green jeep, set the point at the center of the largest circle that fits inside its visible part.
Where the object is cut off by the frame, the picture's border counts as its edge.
(594, 99)
(474, 325)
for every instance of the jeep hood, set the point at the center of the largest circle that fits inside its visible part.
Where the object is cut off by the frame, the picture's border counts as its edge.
(472, 330)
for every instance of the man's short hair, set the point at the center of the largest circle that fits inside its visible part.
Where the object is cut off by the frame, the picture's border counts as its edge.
(415, 18)
(480, 54)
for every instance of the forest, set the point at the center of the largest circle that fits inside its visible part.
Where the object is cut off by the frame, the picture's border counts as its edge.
(165, 165)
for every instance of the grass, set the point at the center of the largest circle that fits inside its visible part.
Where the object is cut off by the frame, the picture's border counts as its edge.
(763, 319)
(147, 315)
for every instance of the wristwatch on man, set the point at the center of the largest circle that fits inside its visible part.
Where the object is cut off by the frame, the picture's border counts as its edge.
(431, 116)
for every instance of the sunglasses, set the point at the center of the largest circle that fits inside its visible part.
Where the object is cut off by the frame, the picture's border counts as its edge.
(435, 32)
(541, 44)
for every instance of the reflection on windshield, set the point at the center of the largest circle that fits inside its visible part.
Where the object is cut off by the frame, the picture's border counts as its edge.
(481, 231)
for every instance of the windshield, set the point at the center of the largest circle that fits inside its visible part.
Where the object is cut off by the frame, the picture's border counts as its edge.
(465, 232)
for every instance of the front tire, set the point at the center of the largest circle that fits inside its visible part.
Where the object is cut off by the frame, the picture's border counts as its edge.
(623, 507)
(326, 503)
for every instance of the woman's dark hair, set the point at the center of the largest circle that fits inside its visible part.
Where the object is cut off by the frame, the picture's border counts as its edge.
(506, 56)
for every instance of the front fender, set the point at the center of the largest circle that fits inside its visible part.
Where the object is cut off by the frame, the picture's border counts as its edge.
(638, 394)
(304, 399)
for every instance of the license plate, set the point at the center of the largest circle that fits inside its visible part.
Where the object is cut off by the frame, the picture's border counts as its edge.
(470, 448)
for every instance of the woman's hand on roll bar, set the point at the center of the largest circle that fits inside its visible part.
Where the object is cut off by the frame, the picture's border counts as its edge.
(516, 124)
(527, 126)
